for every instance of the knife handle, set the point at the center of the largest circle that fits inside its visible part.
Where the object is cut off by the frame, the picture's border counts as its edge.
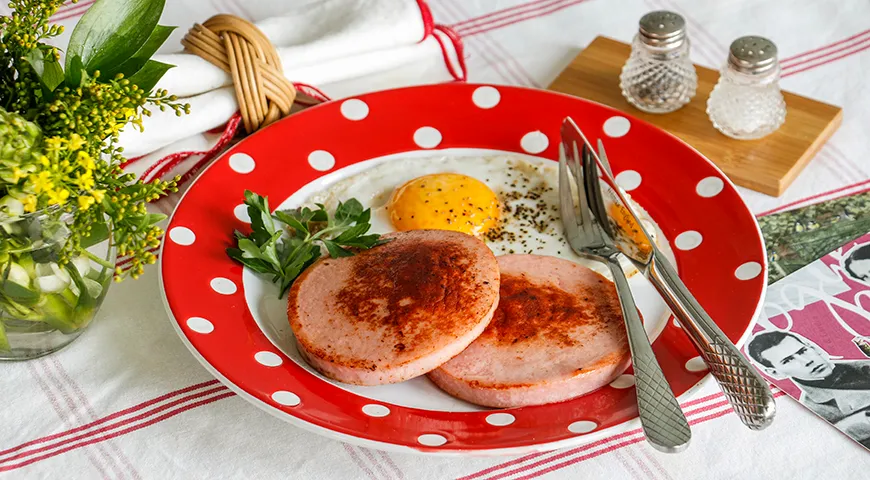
(661, 417)
(748, 394)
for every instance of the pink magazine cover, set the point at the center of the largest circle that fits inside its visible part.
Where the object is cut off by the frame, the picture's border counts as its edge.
(812, 339)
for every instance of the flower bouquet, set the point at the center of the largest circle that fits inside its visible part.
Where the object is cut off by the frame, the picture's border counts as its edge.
(66, 206)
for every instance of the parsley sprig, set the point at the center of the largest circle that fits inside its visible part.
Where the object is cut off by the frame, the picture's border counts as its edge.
(287, 242)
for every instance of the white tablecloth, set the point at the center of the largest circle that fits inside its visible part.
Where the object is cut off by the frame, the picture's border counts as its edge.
(127, 400)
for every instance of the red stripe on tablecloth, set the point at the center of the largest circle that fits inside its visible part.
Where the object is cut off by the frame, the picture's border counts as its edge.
(545, 10)
(58, 410)
(614, 447)
(627, 466)
(92, 414)
(92, 437)
(785, 62)
(358, 461)
(390, 463)
(139, 426)
(78, 417)
(73, 12)
(374, 461)
(108, 418)
(503, 58)
(813, 197)
(648, 473)
(560, 455)
(509, 12)
(864, 46)
(699, 44)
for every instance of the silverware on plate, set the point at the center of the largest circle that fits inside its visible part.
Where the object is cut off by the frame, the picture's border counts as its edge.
(748, 394)
(662, 420)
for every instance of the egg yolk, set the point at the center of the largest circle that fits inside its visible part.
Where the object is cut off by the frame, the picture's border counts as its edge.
(444, 201)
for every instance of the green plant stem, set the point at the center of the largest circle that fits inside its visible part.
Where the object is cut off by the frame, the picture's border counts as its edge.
(99, 260)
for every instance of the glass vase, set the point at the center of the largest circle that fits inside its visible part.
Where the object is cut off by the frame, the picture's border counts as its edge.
(46, 302)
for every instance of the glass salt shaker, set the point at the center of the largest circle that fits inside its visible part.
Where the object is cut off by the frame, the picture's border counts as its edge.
(746, 103)
(658, 76)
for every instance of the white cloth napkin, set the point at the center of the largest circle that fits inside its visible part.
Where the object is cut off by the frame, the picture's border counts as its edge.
(340, 47)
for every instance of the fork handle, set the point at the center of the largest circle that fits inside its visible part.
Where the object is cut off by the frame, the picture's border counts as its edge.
(662, 420)
(748, 394)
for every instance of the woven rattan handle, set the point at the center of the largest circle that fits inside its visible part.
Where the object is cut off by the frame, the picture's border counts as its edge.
(238, 47)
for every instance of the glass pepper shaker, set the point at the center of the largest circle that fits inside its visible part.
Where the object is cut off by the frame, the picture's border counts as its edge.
(658, 76)
(746, 103)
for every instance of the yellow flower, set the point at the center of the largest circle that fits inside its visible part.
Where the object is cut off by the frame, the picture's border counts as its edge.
(29, 203)
(99, 195)
(86, 181)
(76, 142)
(44, 161)
(86, 161)
(18, 174)
(54, 143)
(58, 196)
(85, 202)
(42, 182)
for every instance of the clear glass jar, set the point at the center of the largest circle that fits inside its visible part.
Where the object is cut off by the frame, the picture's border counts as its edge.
(45, 305)
(658, 76)
(747, 103)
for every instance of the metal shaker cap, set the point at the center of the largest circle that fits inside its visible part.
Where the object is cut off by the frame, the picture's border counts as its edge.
(662, 29)
(753, 55)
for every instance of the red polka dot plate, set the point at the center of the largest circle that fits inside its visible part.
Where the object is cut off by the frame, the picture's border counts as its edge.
(235, 325)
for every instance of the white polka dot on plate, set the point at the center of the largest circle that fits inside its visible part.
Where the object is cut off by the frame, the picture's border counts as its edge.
(696, 365)
(288, 399)
(748, 271)
(583, 426)
(182, 236)
(677, 323)
(242, 163)
(616, 127)
(628, 180)
(623, 381)
(709, 187)
(534, 142)
(432, 439)
(427, 137)
(224, 286)
(200, 325)
(485, 97)
(374, 410)
(321, 160)
(688, 240)
(241, 212)
(500, 419)
(354, 109)
(268, 359)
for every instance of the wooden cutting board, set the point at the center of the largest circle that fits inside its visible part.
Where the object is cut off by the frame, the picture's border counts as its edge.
(767, 165)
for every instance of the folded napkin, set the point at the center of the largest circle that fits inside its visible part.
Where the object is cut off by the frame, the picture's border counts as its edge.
(343, 47)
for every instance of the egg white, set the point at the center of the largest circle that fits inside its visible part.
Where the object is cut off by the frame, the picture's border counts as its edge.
(503, 174)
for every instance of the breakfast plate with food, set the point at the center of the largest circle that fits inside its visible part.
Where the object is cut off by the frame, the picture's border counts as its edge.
(391, 270)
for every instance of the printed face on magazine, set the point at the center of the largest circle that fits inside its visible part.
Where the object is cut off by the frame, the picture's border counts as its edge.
(861, 269)
(793, 358)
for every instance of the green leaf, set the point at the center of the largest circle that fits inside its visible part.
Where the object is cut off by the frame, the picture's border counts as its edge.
(335, 251)
(112, 31)
(99, 233)
(352, 232)
(50, 72)
(19, 293)
(75, 72)
(348, 211)
(146, 51)
(150, 74)
(365, 242)
(292, 222)
(4, 340)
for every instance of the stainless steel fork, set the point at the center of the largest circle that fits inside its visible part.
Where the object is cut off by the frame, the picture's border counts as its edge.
(662, 420)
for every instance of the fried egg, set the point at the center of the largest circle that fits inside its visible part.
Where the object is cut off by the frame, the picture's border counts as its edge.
(509, 201)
